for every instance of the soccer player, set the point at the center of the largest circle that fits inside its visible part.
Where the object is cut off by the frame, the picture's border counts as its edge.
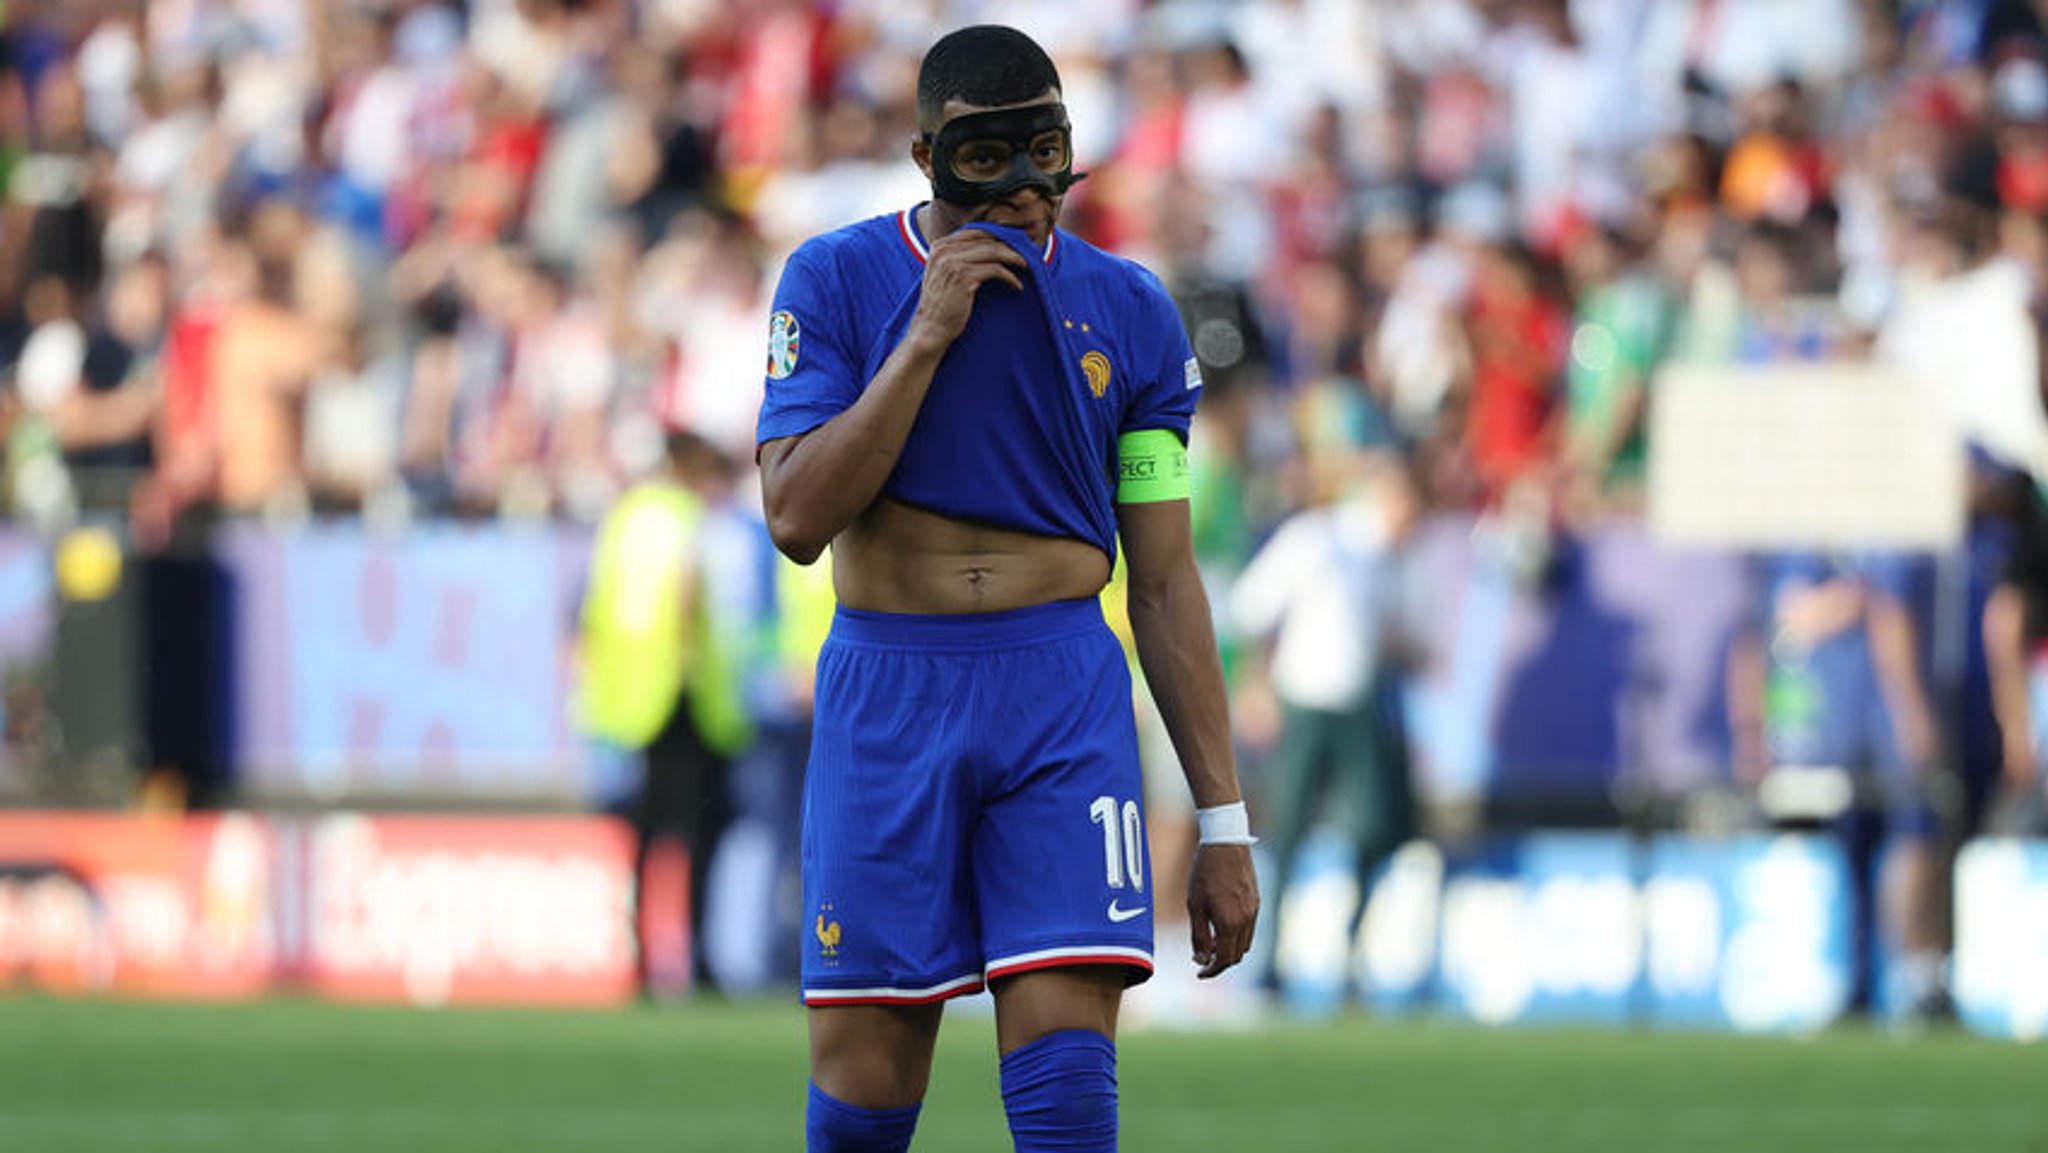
(972, 408)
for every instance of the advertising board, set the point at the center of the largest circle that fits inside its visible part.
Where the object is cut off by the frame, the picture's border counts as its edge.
(421, 909)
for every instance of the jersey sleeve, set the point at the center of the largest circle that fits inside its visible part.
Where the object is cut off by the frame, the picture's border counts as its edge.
(1170, 379)
(811, 378)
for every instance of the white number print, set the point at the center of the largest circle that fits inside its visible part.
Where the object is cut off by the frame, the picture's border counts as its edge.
(1123, 841)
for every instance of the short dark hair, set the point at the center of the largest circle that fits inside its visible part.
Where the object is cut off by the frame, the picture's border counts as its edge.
(983, 64)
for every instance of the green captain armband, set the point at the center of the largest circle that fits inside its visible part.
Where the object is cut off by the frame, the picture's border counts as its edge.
(1151, 466)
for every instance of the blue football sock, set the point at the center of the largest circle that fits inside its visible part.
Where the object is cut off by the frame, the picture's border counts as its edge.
(1060, 1093)
(833, 1126)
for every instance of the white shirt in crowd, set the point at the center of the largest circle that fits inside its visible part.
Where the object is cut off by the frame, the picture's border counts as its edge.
(1328, 587)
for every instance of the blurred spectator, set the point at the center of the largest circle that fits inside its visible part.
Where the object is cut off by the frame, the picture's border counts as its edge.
(2015, 625)
(1410, 353)
(1619, 338)
(1325, 328)
(1126, 195)
(428, 288)
(1309, 204)
(850, 170)
(700, 294)
(655, 680)
(367, 129)
(1756, 310)
(1518, 333)
(1831, 673)
(1557, 115)
(490, 184)
(2020, 133)
(1221, 312)
(547, 427)
(1961, 318)
(351, 425)
(56, 190)
(1230, 152)
(1774, 171)
(264, 354)
(606, 155)
(1332, 592)
(85, 378)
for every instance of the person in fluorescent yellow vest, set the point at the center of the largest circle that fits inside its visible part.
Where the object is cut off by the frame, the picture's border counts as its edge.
(656, 674)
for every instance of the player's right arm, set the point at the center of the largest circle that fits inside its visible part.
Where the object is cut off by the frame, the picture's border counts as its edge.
(815, 483)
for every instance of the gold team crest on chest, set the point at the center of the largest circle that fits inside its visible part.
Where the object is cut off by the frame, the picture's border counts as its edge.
(1095, 367)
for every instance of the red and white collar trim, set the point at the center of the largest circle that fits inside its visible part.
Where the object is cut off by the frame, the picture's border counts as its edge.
(906, 227)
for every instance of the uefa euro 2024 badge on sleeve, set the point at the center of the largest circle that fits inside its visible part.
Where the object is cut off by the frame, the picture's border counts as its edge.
(784, 339)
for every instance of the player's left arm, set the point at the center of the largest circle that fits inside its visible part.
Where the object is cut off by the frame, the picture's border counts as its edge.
(1169, 612)
(1176, 642)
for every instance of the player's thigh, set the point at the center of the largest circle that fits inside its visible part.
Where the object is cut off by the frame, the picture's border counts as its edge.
(874, 1056)
(1061, 865)
(1064, 878)
(886, 889)
(1044, 1001)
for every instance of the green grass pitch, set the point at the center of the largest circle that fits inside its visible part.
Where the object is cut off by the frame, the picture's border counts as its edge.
(98, 1077)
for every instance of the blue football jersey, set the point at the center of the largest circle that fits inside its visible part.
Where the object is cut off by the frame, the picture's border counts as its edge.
(1019, 427)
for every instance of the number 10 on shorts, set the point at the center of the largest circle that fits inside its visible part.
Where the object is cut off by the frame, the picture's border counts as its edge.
(1123, 841)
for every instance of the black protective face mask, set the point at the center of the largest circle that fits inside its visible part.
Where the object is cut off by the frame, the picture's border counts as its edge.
(985, 156)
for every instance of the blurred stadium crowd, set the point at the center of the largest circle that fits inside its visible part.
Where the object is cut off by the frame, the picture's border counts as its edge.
(291, 256)
(419, 260)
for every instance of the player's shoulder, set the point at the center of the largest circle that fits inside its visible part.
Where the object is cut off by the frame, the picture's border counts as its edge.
(858, 242)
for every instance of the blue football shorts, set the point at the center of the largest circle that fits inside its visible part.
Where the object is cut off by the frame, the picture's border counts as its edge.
(973, 807)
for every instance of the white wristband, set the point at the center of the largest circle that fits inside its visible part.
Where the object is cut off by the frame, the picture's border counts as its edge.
(1226, 825)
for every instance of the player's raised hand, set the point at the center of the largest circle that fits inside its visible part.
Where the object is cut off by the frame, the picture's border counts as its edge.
(958, 265)
(1223, 906)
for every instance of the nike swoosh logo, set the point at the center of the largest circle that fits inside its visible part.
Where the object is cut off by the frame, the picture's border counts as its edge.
(1120, 915)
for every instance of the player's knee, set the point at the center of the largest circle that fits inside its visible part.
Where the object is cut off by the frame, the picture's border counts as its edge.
(877, 1057)
(872, 1078)
(833, 1126)
(1060, 1093)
